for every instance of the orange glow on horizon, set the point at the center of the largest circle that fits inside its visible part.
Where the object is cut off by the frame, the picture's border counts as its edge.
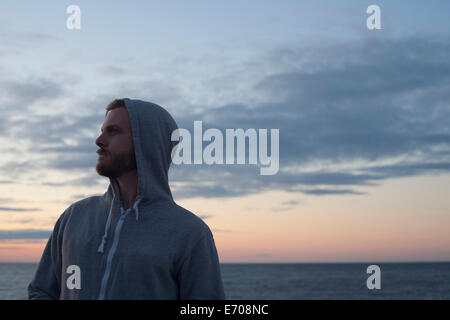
(21, 250)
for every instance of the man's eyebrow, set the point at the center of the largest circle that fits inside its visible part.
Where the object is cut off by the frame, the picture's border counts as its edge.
(111, 126)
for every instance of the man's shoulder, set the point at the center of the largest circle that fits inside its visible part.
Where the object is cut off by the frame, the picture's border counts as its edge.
(79, 209)
(92, 200)
(186, 218)
(86, 203)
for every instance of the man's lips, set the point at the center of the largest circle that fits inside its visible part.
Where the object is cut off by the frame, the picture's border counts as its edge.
(101, 153)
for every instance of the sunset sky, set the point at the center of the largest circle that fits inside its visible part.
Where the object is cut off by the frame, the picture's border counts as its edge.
(363, 118)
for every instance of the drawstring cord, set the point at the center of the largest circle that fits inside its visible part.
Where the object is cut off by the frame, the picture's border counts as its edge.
(136, 208)
(101, 248)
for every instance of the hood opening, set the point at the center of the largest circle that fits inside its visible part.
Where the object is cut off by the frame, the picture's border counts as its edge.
(151, 128)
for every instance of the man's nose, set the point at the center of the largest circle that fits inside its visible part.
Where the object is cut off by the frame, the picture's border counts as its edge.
(100, 141)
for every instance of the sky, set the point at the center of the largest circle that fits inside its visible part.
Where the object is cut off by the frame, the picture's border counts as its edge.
(363, 118)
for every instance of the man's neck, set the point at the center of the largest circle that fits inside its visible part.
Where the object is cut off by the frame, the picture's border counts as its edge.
(128, 188)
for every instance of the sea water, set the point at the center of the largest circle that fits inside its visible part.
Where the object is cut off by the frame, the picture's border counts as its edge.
(295, 281)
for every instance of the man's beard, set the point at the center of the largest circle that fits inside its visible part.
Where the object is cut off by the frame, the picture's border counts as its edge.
(115, 166)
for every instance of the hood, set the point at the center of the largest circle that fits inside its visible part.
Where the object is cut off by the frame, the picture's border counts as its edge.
(152, 128)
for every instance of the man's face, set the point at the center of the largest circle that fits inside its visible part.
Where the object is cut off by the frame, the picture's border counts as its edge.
(116, 153)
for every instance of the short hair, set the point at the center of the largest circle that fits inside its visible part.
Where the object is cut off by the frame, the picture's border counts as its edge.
(117, 103)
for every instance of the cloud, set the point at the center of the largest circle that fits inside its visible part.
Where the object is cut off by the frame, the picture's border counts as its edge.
(16, 43)
(86, 180)
(15, 209)
(290, 202)
(380, 100)
(76, 197)
(24, 234)
(204, 216)
(321, 192)
(206, 182)
(358, 114)
(286, 205)
(261, 255)
(404, 169)
(64, 132)
(20, 243)
(216, 191)
(18, 209)
(222, 230)
(25, 221)
(112, 70)
(25, 37)
(16, 169)
(19, 95)
(279, 209)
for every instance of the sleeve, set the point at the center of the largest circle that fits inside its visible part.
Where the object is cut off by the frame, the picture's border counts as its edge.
(46, 283)
(199, 276)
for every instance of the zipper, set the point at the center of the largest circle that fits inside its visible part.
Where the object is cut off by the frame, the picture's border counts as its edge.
(111, 253)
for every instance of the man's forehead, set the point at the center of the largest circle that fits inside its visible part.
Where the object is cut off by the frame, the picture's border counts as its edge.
(119, 117)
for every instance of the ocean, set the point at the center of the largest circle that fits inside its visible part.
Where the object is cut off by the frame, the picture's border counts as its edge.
(328, 281)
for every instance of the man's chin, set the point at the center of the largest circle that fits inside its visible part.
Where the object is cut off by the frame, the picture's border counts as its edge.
(102, 171)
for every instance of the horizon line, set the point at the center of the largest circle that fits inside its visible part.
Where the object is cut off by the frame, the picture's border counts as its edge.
(323, 262)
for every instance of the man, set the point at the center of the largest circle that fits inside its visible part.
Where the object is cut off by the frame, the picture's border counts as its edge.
(134, 241)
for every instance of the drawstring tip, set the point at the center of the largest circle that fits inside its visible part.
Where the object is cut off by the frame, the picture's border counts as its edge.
(101, 248)
(136, 208)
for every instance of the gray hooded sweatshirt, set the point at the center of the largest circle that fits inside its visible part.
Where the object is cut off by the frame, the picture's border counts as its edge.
(154, 250)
